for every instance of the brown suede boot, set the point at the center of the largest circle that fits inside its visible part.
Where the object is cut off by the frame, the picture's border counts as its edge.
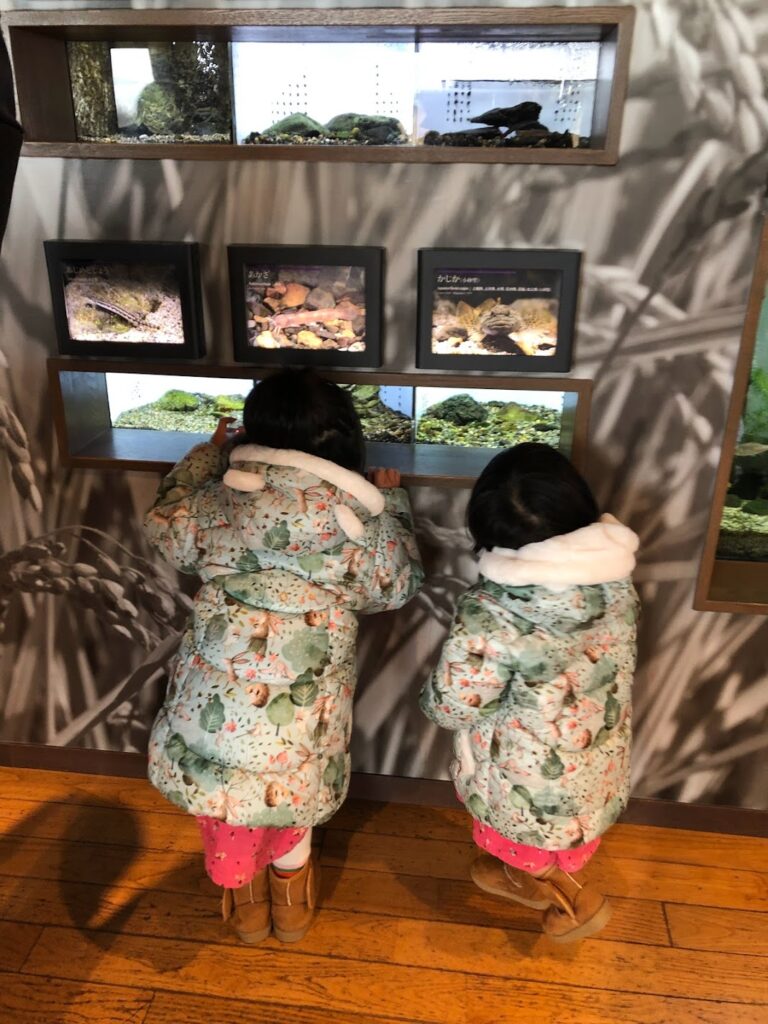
(577, 911)
(248, 909)
(293, 901)
(492, 875)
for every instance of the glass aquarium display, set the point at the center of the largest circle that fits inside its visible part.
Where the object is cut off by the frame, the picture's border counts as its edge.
(152, 92)
(386, 413)
(192, 405)
(487, 417)
(506, 94)
(744, 524)
(300, 92)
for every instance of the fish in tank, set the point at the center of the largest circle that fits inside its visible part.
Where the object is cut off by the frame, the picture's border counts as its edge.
(744, 524)
(495, 312)
(386, 413)
(311, 308)
(151, 92)
(487, 417)
(291, 93)
(123, 302)
(193, 405)
(518, 93)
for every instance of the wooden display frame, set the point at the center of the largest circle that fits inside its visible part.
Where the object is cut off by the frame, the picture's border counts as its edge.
(87, 439)
(726, 585)
(38, 47)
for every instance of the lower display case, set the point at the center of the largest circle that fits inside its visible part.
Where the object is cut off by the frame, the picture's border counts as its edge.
(435, 429)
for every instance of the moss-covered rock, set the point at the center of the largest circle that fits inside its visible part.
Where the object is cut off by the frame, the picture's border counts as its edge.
(459, 410)
(228, 403)
(296, 124)
(756, 507)
(371, 129)
(178, 401)
(156, 109)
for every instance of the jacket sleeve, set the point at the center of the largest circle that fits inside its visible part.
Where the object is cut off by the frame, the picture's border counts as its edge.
(391, 572)
(173, 525)
(473, 671)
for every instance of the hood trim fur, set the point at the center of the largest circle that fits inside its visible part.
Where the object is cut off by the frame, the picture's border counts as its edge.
(346, 480)
(603, 552)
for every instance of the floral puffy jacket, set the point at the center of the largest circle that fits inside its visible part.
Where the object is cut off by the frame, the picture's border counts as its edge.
(256, 723)
(536, 684)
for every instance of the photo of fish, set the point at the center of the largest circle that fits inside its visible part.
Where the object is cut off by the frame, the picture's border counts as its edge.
(495, 313)
(314, 308)
(123, 302)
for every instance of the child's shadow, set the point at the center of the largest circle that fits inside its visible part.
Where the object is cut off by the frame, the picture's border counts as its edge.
(85, 867)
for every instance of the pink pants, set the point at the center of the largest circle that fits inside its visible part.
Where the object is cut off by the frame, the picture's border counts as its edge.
(234, 854)
(531, 858)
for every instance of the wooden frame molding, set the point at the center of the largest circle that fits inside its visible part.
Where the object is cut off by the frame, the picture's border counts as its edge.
(726, 585)
(87, 439)
(38, 47)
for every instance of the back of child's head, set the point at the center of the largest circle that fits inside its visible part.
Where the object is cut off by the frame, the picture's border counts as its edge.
(528, 494)
(299, 410)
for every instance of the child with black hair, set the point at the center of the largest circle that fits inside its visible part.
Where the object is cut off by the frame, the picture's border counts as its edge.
(535, 681)
(291, 543)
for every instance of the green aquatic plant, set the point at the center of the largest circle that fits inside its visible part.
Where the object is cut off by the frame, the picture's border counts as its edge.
(178, 401)
(756, 410)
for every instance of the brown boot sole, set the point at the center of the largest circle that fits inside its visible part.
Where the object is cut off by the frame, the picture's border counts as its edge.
(595, 924)
(294, 936)
(253, 938)
(505, 894)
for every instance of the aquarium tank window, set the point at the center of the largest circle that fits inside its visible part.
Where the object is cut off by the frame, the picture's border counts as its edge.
(744, 525)
(153, 92)
(323, 93)
(386, 413)
(192, 405)
(487, 417)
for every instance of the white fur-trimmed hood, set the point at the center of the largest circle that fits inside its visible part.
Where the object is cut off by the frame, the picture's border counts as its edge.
(347, 481)
(601, 553)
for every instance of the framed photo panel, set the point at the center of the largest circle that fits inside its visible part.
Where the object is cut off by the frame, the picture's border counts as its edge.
(307, 305)
(129, 299)
(497, 310)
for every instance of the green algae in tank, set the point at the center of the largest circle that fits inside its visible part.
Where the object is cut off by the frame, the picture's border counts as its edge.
(153, 92)
(386, 413)
(744, 523)
(191, 405)
(487, 417)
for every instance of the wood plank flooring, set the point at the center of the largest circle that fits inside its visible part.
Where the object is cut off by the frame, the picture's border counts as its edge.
(106, 917)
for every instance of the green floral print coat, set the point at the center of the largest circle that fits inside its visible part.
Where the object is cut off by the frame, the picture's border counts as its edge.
(256, 722)
(535, 680)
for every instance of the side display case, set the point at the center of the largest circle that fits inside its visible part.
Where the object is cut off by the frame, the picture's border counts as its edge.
(734, 566)
(435, 429)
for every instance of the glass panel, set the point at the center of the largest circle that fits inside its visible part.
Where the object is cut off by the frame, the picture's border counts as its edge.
(150, 401)
(487, 417)
(386, 413)
(123, 302)
(157, 92)
(326, 93)
(501, 94)
(744, 525)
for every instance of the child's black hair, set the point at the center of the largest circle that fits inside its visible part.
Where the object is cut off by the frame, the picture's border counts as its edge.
(299, 410)
(527, 494)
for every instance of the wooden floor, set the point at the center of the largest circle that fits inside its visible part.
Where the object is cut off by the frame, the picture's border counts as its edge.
(106, 918)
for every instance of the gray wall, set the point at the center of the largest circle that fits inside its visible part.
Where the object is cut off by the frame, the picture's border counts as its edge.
(669, 237)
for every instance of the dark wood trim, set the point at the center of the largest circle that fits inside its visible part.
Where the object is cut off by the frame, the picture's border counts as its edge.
(704, 600)
(394, 789)
(48, 113)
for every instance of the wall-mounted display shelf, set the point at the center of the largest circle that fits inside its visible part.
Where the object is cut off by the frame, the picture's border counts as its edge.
(435, 429)
(734, 565)
(475, 85)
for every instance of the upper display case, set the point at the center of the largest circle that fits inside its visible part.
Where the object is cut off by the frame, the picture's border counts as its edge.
(734, 565)
(432, 428)
(534, 85)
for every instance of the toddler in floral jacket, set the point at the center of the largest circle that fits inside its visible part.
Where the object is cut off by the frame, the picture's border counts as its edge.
(291, 543)
(535, 681)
